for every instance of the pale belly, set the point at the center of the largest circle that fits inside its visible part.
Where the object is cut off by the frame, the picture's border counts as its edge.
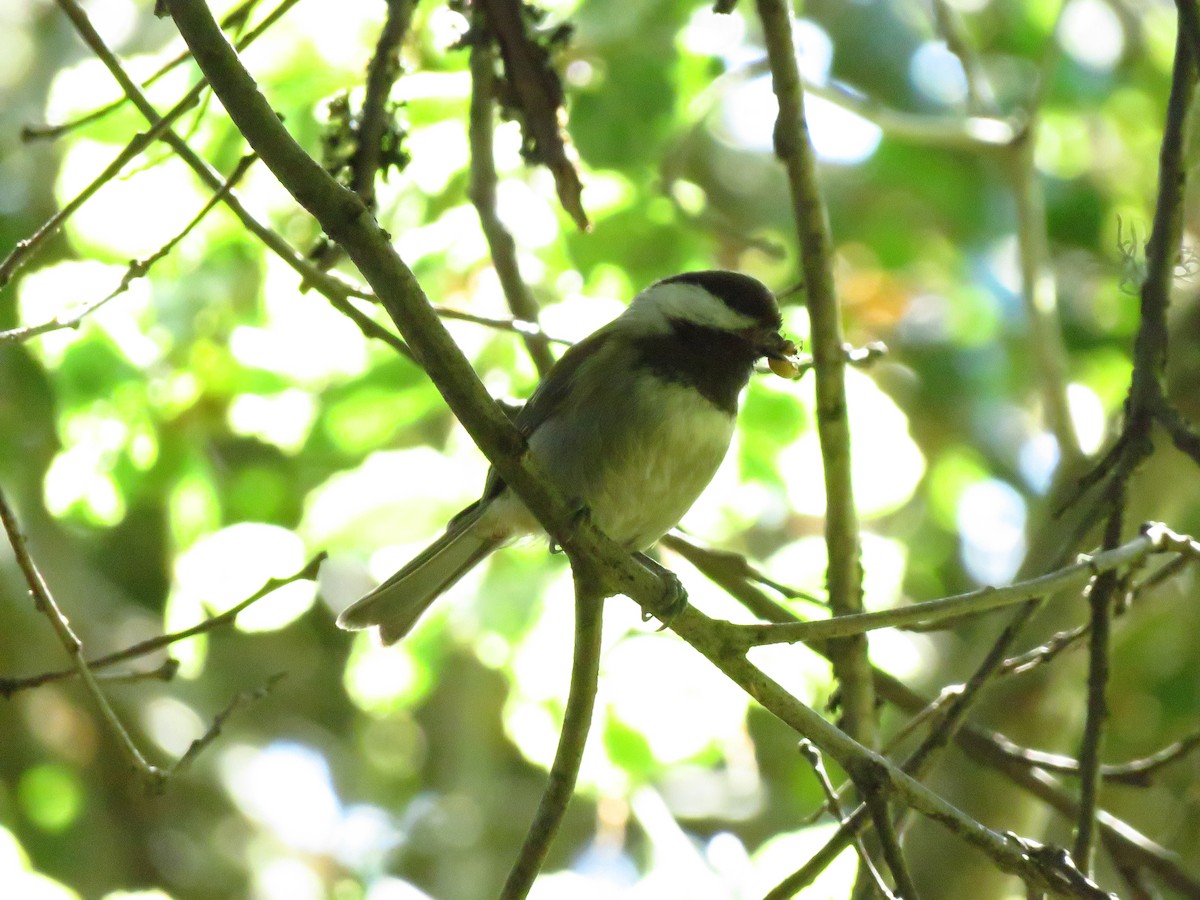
(647, 494)
(638, 470)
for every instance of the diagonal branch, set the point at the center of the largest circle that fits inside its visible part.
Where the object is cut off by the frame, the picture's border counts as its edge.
(234, 19)
(331, 288)
(152, 778)
(834, 804)
(137, 269)
(344, 217)
(9, 686)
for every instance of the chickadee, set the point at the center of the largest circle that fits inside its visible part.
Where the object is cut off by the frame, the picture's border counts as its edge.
(633, 421)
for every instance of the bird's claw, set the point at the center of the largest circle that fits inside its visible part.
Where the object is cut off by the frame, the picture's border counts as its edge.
(580, 513)
(674, 596)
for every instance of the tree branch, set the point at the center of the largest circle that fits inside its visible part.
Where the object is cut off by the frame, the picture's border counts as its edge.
(535, 91)
(834, 803)
(137, 268)
(9, 686)
(482, 189)
(346, 220)
(1155, 538)
(331, 288)
(577, 720)
(151, 777)
(844, 575)
(1100, 598)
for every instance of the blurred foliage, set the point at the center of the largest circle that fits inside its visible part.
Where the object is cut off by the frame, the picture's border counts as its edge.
(215, 426)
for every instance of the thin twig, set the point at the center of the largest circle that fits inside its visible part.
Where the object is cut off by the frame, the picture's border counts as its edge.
(1039, 294)
(981, 98)
(1183, 436)
(727, 569)
(137, 268)
(242, 698)
(1056, 644)
(9, 686)
(24, 249)
(165, 671)
(1135, 773)
(369, 127)
(235, 18)
(331, 288)
(889, 842)
(151, 777)
(522, 327)
(577, 721)
(834, 804)
(923, 129)
(482, 189)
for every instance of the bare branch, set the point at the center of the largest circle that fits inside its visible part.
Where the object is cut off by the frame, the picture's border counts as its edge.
(534, 90)
(844, 575)
(980, 95)
(728, 569)
(1100, 598)
(234, 19)
(9, 686)
(813, 756)
(482, 191)
(137, 269)
(151, 777)
(1154, 539)
(577, 721)
(330, 287)
(1135, 773)
(239, 700)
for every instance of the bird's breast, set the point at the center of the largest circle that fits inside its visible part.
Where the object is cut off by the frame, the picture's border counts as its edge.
(660, 453)
(635, 449)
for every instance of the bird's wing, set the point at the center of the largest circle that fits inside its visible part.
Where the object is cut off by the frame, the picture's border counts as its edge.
(550, 394)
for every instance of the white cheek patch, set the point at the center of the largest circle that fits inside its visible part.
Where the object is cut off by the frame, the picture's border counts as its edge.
(656, 306)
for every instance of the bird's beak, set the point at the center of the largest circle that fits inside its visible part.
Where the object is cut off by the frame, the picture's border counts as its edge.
(780, 348)
(771, 344)
(781, 354)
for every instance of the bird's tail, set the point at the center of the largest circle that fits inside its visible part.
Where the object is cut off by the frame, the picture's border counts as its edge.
(395, 605)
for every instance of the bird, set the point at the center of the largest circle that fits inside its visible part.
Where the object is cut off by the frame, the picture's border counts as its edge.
(631, 422)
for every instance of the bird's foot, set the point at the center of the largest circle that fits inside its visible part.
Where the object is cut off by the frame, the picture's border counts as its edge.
(675, 598)
(580, 513)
